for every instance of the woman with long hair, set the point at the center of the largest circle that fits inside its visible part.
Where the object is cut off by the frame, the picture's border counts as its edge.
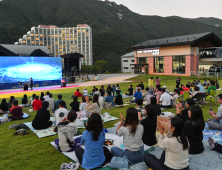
(193, 129)
(32, 99)
(82, 108)
(42, 96)
(93, 107)
(4, 105)
(176, 148)
(93, 138)
(10, 101)
(153, 101)
(24, 99)
(132, 133)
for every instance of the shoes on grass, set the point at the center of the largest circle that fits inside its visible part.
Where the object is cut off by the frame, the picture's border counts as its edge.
(70, 166)
(211, 142)
(13, 126)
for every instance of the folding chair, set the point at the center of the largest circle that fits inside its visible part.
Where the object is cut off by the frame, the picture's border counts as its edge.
(212, 98)
(199, 98)
(185, 97)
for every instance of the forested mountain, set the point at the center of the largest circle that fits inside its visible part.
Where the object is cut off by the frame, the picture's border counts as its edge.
(115, 28)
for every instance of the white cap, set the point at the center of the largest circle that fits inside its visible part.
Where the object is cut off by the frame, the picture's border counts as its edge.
(164, 86)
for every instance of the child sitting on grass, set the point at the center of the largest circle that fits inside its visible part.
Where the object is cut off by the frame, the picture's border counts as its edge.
(66, 129)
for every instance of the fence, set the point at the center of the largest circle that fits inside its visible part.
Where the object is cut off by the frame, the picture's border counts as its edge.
(206, 74)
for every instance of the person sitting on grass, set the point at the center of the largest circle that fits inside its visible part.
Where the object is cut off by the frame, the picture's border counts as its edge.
(137, 95)
(42, 97)
(176, 94)
(212, 87)
(165, 99)
(109, 98)
(158, 93)
(56, 106)
(149, 125)
(93, 107)
(93, 138)
(196, 91)
(32, 99)
(42, 118)
(4, 105)
(153, 101)
(205, 82)
(102, 91)
(217, 84)
(187, 88)
(175, 154)
(75, 104)
(15, 111)
(118, 90)
(24, 99)
(66, 129)
(46, 97)
(146, 93)
(61, 112)
(149, 96)
(193, 129)
(183, 113)
(130, 90)
(77, 93)
(37, 104)
(140, 109)
(82, 108)
(216, 124)
(118, 99)
(132, 133)
(10, 102)
(51, 103)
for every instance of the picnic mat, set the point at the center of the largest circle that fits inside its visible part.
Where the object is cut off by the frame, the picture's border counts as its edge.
(117, 141)
(210, 133)
(121, 105)
(42, 133)
(107, 117)
(126, 96)
(24, 116)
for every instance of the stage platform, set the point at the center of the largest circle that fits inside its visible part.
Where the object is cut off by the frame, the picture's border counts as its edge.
(11, 91)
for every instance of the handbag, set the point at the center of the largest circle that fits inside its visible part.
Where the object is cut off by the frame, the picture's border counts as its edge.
(119, 162)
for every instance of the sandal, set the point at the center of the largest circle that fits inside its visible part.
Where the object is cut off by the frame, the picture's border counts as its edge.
(24, 133)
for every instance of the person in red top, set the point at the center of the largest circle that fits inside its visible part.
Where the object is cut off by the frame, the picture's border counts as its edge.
(15, 111)
(37, 104)
(77, 93)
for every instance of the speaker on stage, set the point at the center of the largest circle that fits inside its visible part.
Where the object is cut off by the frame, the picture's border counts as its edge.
(26, 87)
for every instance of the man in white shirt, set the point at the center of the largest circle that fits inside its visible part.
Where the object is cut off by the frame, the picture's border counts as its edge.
(61, 112)
(51, 103)
(165, 99)
(46, 97)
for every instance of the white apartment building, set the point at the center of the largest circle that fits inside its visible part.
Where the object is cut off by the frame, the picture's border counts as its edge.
(127, 62)
(62, 41)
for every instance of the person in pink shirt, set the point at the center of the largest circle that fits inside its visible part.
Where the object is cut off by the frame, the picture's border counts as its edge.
(158, 93)
(157, 82)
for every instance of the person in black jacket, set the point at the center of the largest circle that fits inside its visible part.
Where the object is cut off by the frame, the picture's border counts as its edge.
(4, 105)
(130, 89)
(42, 96)
(119, 99)
(149, 125)
(75, 104)
(141, 85)
(193, 129)
(24, 99)
(183, 113)
(153, 101)
(42, 118)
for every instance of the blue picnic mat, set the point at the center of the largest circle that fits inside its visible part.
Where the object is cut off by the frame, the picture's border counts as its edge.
(210, 133)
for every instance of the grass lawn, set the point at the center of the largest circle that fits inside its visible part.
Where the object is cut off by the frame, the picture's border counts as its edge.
(30, 152)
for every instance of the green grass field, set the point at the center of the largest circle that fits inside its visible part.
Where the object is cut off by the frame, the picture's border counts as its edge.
(29, 152)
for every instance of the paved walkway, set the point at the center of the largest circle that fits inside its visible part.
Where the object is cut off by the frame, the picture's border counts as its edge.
(104, 79)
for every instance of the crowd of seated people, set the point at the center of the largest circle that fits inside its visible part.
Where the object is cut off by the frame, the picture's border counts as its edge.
(184, 137)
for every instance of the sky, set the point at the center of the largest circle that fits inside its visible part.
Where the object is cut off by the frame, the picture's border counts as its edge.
(183, 8)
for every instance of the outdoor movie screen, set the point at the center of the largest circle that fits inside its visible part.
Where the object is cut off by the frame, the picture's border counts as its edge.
(20, 69)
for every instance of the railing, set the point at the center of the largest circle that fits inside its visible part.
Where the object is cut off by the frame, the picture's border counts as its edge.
(206, 74)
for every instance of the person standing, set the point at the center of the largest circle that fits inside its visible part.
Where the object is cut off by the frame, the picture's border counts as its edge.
(178, 80)
(31, 83)
(150, 83)
(157, 82)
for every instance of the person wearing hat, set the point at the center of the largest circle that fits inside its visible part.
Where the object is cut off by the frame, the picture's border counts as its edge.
(149, 96)
(85, 92)
(198, 84)
(165, 99)
(165, 87)
(216, 124)
(150, 83)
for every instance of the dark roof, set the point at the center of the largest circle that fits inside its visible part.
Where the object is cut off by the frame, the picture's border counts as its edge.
(72, 55)
(178, 41)
(24, 50)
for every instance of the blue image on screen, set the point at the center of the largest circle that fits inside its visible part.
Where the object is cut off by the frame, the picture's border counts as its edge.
(20, 69)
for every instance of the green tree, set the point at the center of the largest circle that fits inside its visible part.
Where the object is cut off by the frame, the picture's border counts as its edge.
(100, 64)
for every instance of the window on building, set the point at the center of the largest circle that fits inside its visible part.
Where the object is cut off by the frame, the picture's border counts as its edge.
(133, 61)
(125, 68)
(125, 61)
(179, 64)
(143, 60)
(158, 64)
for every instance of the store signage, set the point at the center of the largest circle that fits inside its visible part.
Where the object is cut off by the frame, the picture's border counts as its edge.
(154, 52)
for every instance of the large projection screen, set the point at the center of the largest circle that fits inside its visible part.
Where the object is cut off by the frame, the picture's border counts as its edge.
(20, 69)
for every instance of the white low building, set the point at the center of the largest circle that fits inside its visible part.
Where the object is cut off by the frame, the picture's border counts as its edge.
(127, 62)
